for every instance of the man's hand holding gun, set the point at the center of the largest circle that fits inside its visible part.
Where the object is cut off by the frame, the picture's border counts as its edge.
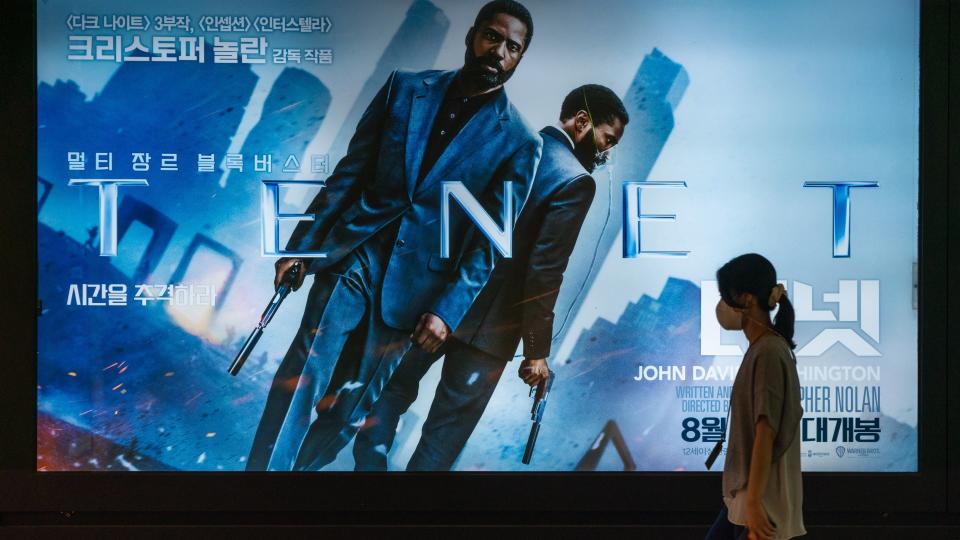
(538, 375)
(290, 274)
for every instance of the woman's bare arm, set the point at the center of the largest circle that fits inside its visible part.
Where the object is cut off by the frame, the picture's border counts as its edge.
(760, 462)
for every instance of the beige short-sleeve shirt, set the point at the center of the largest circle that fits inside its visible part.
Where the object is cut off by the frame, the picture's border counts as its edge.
(766, 385)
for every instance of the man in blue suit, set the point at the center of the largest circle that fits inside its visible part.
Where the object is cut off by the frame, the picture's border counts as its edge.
(517, 302)
(383, 285)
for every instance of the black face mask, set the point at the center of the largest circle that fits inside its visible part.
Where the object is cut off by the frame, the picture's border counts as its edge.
(473, 68)
(588, 154)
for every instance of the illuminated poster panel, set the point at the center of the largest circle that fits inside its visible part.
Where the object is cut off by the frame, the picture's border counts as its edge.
(180, 144)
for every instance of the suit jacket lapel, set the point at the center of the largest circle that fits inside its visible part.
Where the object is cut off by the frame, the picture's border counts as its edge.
(482, 129)
(423, 111)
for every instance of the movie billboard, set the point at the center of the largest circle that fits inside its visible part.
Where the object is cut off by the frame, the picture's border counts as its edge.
(454, 213)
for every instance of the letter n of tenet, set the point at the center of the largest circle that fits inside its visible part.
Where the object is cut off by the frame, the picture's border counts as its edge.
(502, 238)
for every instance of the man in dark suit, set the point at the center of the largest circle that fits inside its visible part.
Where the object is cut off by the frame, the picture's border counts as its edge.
(382, 284)
(516, 303)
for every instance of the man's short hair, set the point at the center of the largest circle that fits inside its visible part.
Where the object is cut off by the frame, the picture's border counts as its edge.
(508, 7)
(600, 101)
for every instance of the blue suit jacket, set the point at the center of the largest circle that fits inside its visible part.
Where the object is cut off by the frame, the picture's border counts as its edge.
(375, 184)
(519, 298)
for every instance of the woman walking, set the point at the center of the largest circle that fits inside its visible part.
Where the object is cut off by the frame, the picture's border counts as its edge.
(762, 488)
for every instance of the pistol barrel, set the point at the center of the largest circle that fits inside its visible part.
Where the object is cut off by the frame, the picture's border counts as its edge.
(285, 287)
(246, 350)
(531, 441)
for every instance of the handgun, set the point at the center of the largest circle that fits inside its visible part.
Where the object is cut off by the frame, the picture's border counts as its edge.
(539, 394)
(286, 285)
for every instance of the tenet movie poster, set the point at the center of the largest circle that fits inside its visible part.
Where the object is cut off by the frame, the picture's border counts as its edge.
(467, 197)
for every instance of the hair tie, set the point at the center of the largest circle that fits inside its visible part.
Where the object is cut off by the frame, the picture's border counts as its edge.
(778, 292)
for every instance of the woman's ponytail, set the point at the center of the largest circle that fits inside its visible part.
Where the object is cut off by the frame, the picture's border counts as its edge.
(784, 321)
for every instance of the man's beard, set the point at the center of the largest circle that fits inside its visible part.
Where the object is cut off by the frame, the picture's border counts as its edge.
(473, 68)
(586, 152)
